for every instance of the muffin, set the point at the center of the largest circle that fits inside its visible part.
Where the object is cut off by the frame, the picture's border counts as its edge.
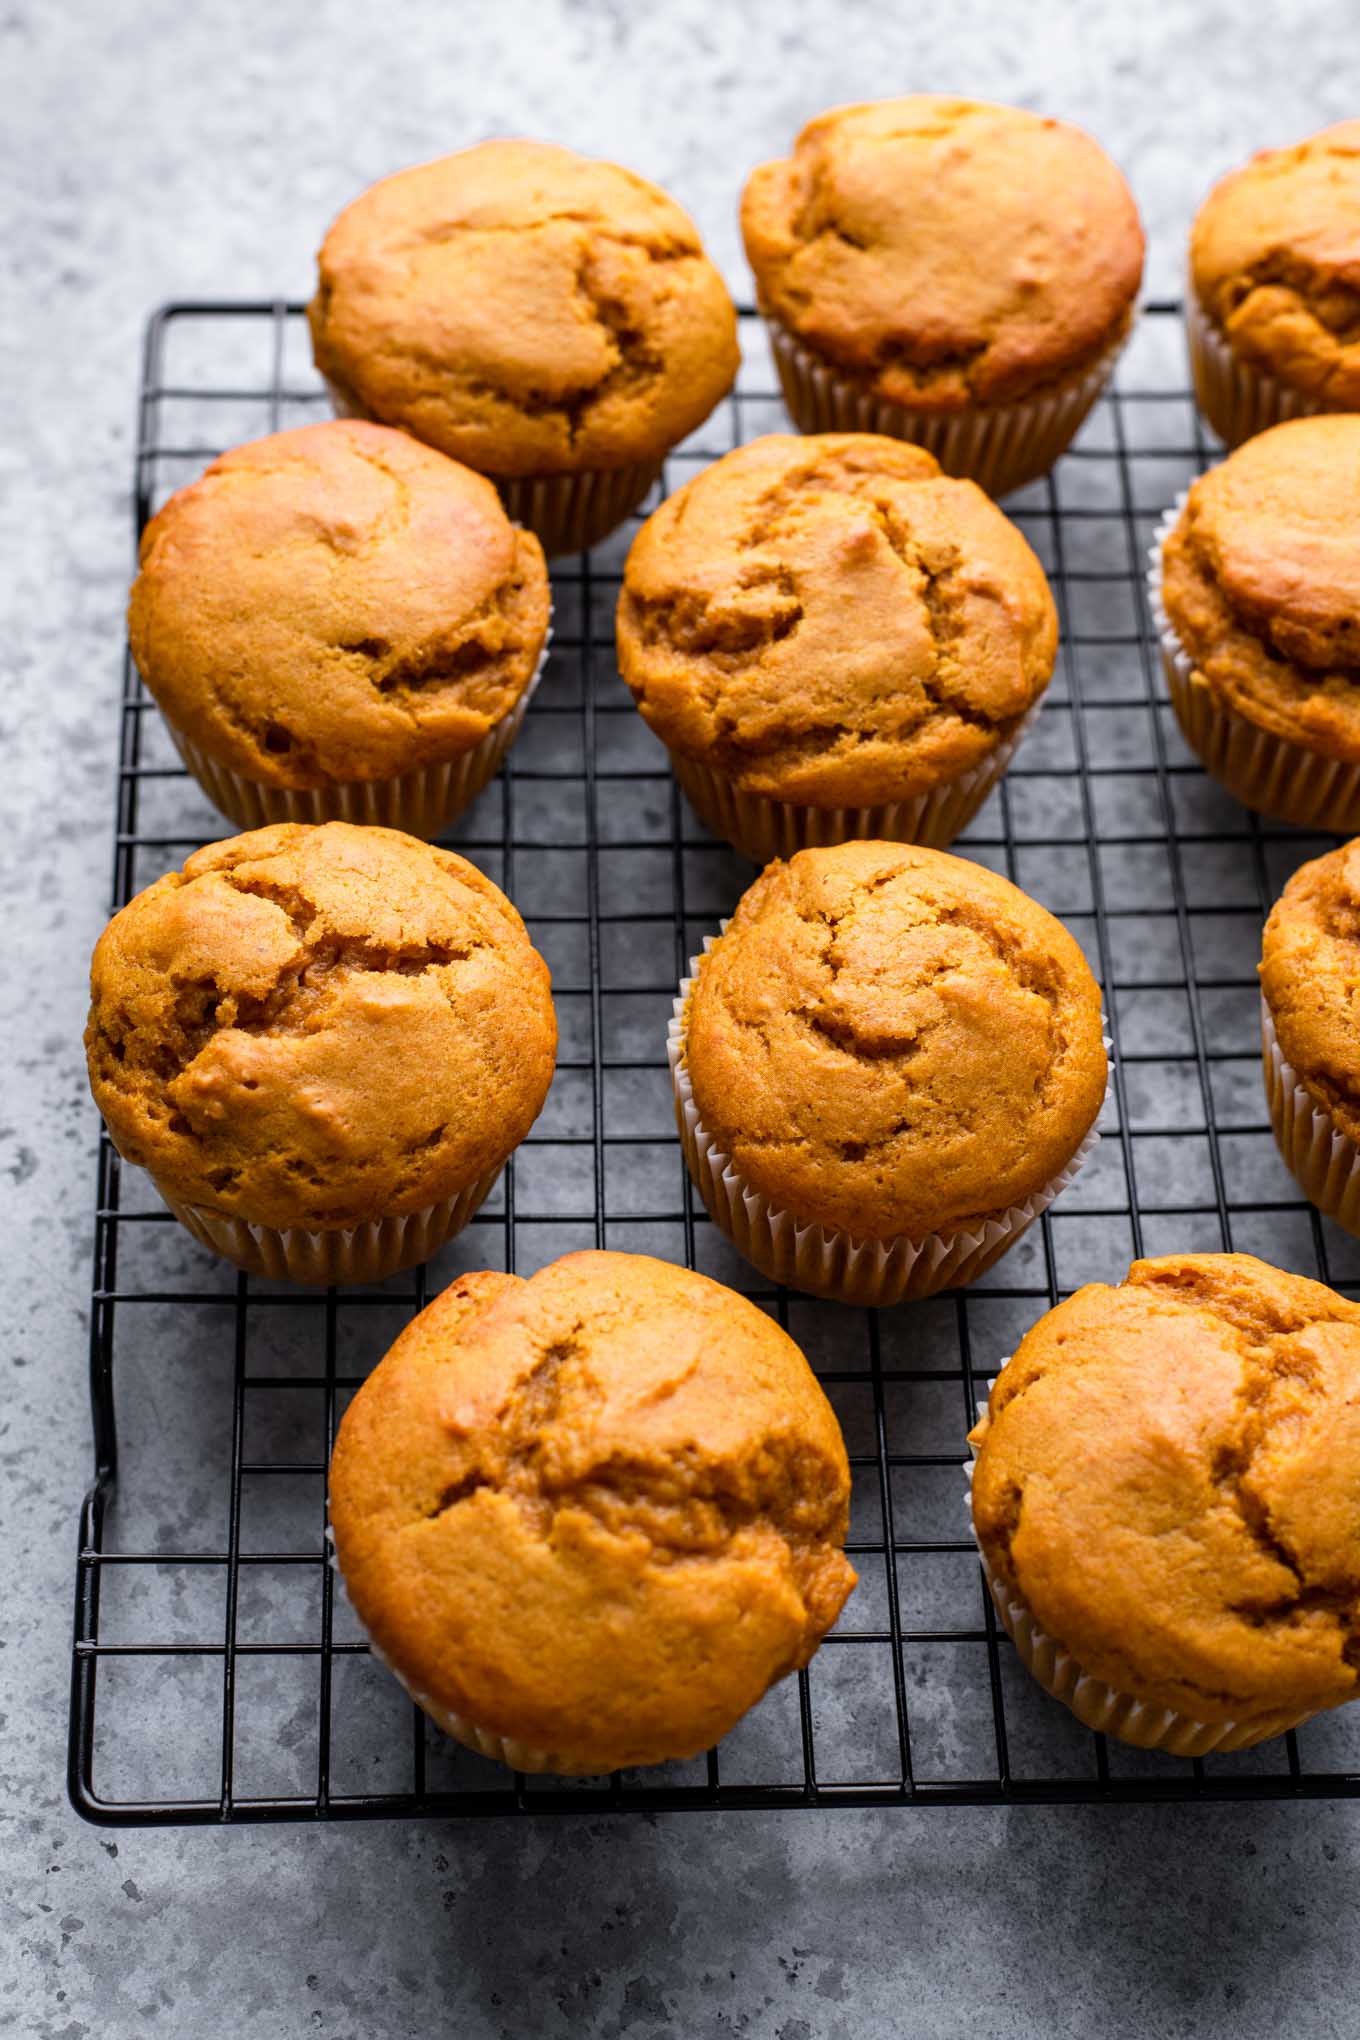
(1310, 1027)
(885, 1068)
(550, 320)
(340, 624)
(1255, 591)
(949, 272)
(1273, 303)
(589, 1518)
(1167, 1502)
(321, 1044)
(833, 639)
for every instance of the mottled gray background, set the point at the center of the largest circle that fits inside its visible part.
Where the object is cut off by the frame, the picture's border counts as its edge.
(159, 149)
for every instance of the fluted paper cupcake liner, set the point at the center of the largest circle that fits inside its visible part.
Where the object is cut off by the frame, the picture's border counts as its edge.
(763, 828)
(1000, 446)
(1272, 774)
(423, 803)
(1102, 1706)
(1323, 1160)
(823, 1260)
(1238, 398)
(567, 512)
(362, 1253)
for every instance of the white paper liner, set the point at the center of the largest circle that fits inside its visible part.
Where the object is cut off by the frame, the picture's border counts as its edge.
(1098, 1705)
(822, 1260)
(1001, 446)
(567, 512)
(763, 828)
(423, 803)
(1270, 773)
(364, 1253)
(1323, 1160)
(1238, 398)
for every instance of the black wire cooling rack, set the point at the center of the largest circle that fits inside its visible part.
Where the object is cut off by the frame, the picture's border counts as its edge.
(217, 1674)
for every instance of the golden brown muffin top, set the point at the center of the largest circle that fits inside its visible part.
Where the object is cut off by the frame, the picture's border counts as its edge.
(947, 252)
(1310, 975)
(1261, 581)
(888, 1040)
(598, 1512)
(830, 619)
(319, 1026)
(1168, 1475)
(529, 310)
(1275, 261)
(337, 603)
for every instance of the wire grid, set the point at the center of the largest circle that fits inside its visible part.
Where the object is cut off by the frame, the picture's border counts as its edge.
(218, 1674)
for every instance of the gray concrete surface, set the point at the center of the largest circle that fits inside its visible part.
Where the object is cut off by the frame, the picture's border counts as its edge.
(157, 149)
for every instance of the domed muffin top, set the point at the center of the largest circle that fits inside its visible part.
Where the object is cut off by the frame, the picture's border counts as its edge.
(946, 251)
(528, 310)
(1168, 1475)
(318, 1026)
(597, 1511)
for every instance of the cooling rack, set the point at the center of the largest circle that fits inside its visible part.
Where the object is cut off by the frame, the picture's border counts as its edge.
(217, 1675)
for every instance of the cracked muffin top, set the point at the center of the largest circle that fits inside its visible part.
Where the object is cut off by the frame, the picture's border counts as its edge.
(337, 603)
(1310, 975)
(526, 309)
(319, 1026)
(890, 1041)
(1275, 261)
(1261, 581)
(945, 252)
(599, 1512)
(829, 619)
(1168, 1476)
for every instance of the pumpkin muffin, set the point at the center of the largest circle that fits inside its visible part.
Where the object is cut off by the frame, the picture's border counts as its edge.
(886, 1067)
(589, 1518)
(1273, 305)
(1167, 1502)
(1310, 1020)
(339, 623)
(551, 320)
(1256, 592)
(950, 272)
(321, 1044)
(834, 639)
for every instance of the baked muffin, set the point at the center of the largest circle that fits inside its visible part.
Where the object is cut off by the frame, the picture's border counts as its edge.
(1310, 1025)
(339, 623)
(1256, 592)
(1273, 303)
(833, 639)
(550, 320)
(954, 273)
(321, 1044)
(589, 1518)
(1167, 1502)
(885, 1068)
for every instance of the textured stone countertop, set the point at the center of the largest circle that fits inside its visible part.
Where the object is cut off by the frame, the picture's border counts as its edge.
(154, 149)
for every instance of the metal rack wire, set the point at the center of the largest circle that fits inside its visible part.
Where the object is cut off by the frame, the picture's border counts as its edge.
(216, 1674)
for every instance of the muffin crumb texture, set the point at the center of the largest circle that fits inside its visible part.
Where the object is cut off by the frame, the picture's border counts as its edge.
(527, 310)
(1261, 582)
(315, 1027)
(1310, 975)
(890, 1041)
(831, 620)
(944, 251)
(1275, 261)
(336, 604)
(598, 1511)
(1168, 1475)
